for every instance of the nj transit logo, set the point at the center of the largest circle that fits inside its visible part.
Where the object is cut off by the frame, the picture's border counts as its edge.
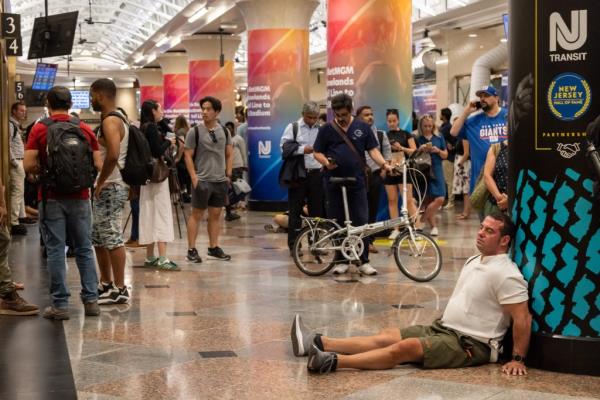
(568, 39)
(264, 149)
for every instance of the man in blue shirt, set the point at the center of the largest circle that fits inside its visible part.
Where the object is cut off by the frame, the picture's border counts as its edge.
(341, 160)
(481, 130)
(309, 191)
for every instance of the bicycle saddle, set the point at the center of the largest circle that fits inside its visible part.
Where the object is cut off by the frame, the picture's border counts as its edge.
(342, 180)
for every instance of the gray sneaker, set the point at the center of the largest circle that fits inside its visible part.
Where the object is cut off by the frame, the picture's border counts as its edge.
(302, 337)
(58, 314)
(91, 309)
(321, 362)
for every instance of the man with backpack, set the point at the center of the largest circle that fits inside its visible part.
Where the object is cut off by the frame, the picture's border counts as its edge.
(297, 141)
(110, 195)
(64, 151)
(209, 161)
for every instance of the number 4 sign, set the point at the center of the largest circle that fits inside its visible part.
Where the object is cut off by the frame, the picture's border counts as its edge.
(14, 47)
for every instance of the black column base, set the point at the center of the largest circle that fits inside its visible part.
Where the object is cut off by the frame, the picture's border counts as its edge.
(565, 354)
(256, 205)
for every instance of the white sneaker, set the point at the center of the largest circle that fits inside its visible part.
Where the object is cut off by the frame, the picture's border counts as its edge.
(341, 269)
(434, 231)
(394, 234)
(366, 269)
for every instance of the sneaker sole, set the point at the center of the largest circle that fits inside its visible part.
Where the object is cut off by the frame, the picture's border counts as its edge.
(193, 260)
(217, 258)
(57, 317)
(297, 339)
(119, 300)
(17, 313)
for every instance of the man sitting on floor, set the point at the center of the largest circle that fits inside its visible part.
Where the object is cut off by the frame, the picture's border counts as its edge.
(490, 291)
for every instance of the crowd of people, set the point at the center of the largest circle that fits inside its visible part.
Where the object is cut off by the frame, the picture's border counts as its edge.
(204, 159)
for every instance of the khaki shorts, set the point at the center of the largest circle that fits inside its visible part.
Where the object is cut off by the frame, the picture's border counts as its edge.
(446, 348)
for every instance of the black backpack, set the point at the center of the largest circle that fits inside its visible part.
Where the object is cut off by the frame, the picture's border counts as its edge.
(70, 163)
(138, 164)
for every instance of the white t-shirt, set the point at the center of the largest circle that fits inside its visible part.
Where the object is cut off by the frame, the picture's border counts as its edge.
(484, 285)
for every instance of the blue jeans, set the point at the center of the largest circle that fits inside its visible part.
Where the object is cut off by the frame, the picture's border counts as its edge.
(58, 217)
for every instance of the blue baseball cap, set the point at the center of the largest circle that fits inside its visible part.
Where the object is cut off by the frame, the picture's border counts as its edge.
(489, 90)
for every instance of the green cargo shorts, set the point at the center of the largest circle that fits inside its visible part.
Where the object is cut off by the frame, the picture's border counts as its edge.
(447, 348)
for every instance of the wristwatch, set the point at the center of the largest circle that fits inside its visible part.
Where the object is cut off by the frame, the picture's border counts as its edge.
(518, 358)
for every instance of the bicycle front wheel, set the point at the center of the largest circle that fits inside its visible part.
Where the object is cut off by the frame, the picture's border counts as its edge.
(420, 258)
(313, 255)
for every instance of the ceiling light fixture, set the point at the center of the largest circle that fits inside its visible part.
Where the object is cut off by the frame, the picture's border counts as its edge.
(472, 35)
(139, 58)
(151, 57)
(176, 40)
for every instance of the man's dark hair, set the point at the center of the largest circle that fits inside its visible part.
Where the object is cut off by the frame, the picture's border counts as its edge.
(146, 114)
(340, 101)
(106, 87)
(360, 109)
(59, 98)
(231, 126)
(214, 102)
(508, 227)
(16, 105)
(323, 117)
(446, 113)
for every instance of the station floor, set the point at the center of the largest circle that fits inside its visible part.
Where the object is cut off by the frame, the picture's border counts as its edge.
(221, 330)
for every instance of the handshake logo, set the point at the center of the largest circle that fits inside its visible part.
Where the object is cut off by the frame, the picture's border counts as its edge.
(568, 150)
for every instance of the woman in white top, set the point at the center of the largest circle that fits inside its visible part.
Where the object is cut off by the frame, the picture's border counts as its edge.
(156, 215)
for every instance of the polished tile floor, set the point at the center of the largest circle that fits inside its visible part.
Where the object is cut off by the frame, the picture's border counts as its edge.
(220, 330)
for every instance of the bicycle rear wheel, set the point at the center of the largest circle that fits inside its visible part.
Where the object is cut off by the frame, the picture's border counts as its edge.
(314, 260)
(420, 258)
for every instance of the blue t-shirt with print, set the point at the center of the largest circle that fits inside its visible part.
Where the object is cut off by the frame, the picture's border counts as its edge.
(330, 143)
(482, 131)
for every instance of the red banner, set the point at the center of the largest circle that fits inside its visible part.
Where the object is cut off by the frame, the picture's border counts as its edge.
(176, 95)
(208, 78)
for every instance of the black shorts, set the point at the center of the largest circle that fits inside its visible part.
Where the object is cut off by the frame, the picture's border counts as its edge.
(209, 194)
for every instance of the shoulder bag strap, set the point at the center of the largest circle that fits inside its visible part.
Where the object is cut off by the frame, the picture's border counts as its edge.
(344, 136)
(197, 136)
(295, 130)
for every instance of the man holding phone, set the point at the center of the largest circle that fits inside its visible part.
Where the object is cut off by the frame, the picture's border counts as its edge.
(340, 147)
(479, 131)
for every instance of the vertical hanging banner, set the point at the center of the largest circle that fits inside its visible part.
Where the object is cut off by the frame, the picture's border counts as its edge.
(369, 55)
(176, 95)
(554, 72)
(151, 93)
(208, 78)
(277, 88)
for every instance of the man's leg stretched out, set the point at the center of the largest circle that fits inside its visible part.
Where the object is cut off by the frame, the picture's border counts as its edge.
(382, 351)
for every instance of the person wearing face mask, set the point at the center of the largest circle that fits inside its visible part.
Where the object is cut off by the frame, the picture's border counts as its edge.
(482, 129)
(340, 147)
(428, 140)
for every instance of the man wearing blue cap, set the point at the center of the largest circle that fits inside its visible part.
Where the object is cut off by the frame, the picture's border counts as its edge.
(482, 129)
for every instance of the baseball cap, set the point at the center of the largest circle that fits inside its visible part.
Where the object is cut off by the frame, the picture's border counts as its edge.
(490, 90)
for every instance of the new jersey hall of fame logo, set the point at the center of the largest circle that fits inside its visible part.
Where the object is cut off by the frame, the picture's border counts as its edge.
(569, 96)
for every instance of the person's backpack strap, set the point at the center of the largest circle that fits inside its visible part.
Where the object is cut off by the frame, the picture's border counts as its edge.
(15, 128)
(197, 137)
(295, 130)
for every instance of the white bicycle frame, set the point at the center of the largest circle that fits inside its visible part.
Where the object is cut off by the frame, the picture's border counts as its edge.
(367, 229)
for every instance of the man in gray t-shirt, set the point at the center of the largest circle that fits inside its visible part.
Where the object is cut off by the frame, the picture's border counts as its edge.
(208, 159)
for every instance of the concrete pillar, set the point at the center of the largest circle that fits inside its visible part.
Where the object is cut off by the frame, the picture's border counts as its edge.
(207, 77)
(175, 84)
(369, 53)
(278, 73)
(151, 84)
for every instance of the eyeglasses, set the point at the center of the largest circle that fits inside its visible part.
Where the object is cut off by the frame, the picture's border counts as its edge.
(213, 137)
